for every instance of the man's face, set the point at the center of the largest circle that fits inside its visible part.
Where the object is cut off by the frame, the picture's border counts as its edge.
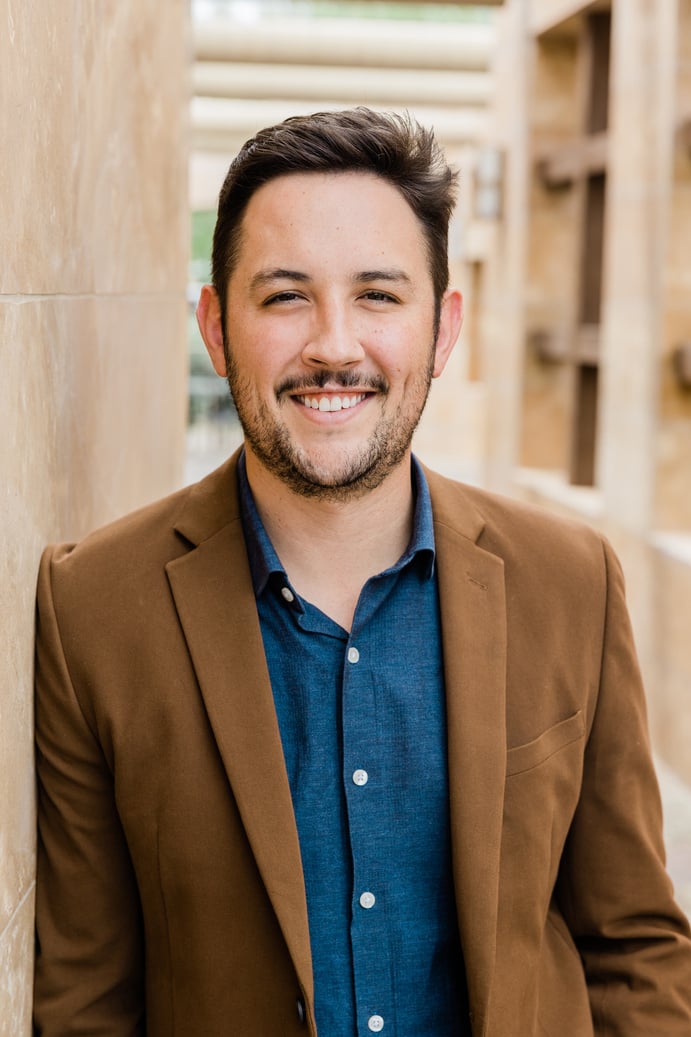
(330, 336)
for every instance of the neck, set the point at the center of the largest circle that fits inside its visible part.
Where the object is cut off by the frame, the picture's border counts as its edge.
(330, 549)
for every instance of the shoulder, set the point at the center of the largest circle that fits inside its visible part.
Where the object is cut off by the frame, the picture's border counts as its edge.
(532, 542)
(137, 546)
(493, 518)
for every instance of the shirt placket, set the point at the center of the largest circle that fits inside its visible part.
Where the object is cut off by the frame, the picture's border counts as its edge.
(366, 801)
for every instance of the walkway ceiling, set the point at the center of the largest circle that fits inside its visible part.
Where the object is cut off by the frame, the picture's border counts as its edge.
(250, 75)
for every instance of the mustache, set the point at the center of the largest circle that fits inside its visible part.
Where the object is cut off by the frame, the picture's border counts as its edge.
(342, 379)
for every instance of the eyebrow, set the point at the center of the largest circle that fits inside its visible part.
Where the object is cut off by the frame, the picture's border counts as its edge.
(392, 275)
(265, 277)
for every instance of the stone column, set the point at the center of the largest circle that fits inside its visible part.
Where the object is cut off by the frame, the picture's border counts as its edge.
(93, 227)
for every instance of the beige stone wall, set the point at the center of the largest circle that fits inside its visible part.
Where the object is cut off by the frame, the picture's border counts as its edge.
(671, 716)
(93, 225)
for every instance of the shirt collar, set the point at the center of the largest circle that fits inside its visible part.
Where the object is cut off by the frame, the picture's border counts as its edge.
(264, 562)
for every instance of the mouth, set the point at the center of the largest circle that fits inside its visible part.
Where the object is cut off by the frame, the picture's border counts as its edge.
(324, 401)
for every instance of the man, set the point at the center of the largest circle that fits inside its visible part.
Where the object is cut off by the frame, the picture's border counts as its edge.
(327, 742)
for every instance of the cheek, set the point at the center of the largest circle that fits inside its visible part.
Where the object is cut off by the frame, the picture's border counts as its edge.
(250, 350)
(392, 348)
(406, 357)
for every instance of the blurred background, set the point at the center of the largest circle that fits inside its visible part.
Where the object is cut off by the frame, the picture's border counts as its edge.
(570, 122)
(255, 63)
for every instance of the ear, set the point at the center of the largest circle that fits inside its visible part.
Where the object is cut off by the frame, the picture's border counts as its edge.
(450, 321)
(211, 327)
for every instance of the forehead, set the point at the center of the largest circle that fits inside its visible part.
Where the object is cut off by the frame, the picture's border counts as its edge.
(345, 213)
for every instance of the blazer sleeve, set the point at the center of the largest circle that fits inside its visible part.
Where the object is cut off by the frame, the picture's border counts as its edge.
(614, 890)
(89, 946)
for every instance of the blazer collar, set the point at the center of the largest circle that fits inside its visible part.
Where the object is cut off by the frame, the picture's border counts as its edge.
(210, 504)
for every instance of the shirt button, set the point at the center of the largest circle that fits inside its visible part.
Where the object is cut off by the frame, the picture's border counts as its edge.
(360, 777)
(287, 594)
(367, 900)
(353, 655)
(375, 1023)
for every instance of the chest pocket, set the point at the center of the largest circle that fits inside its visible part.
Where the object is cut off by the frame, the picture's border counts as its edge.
(530, 755)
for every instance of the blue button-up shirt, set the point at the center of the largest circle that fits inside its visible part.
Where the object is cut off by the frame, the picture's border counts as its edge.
(363, 728)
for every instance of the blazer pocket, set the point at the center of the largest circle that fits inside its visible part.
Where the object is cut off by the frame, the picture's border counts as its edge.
(524, 757)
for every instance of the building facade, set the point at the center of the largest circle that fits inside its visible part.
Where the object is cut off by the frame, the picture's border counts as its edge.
(582, 308)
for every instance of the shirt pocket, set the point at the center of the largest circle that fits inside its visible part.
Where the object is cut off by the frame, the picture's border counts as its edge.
(525, 757)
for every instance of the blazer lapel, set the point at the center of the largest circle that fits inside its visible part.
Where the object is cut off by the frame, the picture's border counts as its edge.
(473, 611)
(213, 593)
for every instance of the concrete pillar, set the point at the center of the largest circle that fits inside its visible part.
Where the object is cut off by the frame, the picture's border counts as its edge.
(504, 310)
(641, 141)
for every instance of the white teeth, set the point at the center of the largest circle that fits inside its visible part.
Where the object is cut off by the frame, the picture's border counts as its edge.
(332, 403)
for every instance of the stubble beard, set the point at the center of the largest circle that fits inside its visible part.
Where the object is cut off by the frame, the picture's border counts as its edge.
(360, 470)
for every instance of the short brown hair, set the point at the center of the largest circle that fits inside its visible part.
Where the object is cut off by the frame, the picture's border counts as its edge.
(394, 147)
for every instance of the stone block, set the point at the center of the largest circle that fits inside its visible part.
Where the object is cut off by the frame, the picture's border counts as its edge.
(89, 122)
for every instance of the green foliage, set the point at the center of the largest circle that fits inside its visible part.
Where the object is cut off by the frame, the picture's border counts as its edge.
(361, 9)
(203, 223)
(418, 12)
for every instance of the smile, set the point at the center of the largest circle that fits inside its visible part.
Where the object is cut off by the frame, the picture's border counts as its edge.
(331, 403)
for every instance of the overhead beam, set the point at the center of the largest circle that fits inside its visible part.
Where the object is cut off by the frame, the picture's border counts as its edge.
(461, 3)
(223, 124)
(564, 17)
(378, 44)
(383, 86)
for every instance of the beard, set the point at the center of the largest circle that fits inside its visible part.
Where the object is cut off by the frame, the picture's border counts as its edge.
(328, 473)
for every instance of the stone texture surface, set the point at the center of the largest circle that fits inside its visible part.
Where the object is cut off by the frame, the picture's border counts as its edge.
(673, 499)
(16, 957)
(93, 231)
(93, 400)
(635, 220)
(671, 611)
(504, 320)
(91, 101)
(676, 805)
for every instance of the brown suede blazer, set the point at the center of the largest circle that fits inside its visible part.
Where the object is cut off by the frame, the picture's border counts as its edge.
(170, 898)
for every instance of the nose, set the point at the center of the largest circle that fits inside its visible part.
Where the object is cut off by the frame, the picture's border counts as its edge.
(332, 340)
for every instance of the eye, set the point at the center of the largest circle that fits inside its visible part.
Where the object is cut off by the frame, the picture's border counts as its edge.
(374, 295)
(282, 297)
